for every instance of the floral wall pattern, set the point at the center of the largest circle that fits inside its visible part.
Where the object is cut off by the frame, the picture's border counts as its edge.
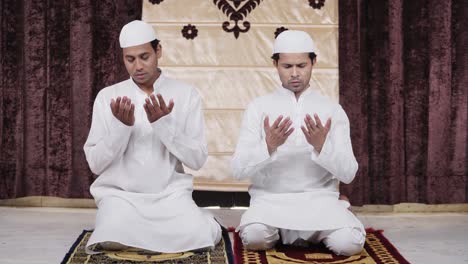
(230, 67)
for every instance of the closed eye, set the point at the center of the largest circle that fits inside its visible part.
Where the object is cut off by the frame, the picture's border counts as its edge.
(130, 58)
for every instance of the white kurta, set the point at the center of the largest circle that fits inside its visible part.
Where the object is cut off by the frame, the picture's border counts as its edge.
(144, 198)
(296, 188)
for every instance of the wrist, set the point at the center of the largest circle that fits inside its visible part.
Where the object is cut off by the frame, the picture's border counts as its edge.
(318, 148)
(271, 149)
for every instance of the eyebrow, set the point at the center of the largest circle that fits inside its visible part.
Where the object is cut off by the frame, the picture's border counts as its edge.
(291, 64)
(139, 55)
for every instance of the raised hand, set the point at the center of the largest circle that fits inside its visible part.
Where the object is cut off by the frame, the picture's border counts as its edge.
(276, 134)
(155, 110)
(123, 110)
(315, 132)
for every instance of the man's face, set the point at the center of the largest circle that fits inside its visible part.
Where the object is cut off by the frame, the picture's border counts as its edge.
(142, 63)
(294, 70)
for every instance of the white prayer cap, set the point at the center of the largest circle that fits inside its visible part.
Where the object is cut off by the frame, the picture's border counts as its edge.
(136, 33)
(293, 41)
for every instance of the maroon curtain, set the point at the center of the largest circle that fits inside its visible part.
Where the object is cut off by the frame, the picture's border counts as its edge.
(55, 56)
(403, 83)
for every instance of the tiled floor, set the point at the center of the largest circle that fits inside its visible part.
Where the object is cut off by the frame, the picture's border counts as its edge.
(43, 235)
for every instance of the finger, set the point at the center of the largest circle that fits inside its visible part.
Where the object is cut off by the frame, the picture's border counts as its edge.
(154, 102)
(284, 123)
(147, 110)
(312, 124)
(284, 126)
(277, 121)
(132, 111)
(112, 105)
(266, 123)
(171, 105)
(128, 106)
(311, 120)
(156, 107)
(124, 100)
(117, 105)
(123, 107)
(149, 106)
(162, 103)
(318, 121)
(289, 132)
(310, 127)
(304, 130)
(328, 124)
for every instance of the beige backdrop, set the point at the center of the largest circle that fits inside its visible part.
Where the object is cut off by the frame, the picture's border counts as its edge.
(230, 72)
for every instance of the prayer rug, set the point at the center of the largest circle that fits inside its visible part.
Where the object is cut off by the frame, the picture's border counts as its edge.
(377, 250)
(220, 255)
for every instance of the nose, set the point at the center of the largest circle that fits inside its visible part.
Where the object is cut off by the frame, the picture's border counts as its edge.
(138, 64)
(294, 72)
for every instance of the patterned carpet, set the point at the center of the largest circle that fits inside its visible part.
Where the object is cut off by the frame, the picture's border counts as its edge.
(377, 250)
(220, 255)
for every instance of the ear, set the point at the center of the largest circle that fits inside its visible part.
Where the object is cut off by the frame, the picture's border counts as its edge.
(159, 51)
(275, 63)
(314, 61)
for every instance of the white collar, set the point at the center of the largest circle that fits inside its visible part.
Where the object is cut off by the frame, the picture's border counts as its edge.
(288, 92)
(156, 84)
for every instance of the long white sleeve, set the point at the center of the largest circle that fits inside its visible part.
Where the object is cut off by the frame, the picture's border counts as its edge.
(107, 139)
(251, 153)
(337, 155)
(185, 140)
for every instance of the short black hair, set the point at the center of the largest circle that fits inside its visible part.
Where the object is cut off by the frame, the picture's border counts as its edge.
(155, 44)
(312, 56)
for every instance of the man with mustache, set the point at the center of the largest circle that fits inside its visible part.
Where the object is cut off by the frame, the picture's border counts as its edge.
(295, 146)
(143, 129)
